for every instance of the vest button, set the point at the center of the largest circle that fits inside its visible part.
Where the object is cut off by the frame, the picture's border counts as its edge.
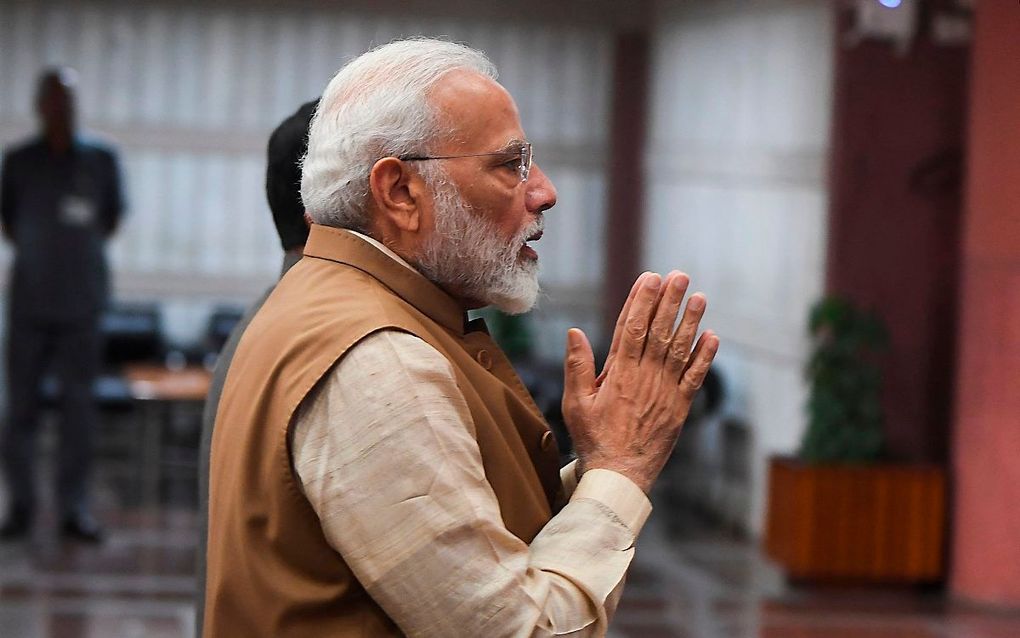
(484, 358)
(548, 441)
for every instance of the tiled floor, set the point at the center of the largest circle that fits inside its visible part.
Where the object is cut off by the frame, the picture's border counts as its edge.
(685, 583)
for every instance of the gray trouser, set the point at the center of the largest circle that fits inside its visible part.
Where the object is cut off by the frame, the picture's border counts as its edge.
(71, 350)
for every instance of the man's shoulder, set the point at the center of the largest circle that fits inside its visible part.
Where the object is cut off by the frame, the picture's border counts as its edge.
(332, 302)
(96, 147)
(306, 325)
(22, 149)
(326, 283)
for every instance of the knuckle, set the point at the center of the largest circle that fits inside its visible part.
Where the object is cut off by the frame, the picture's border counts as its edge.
(658, 341)
(679, 357)
(679, 353)
(636, 331)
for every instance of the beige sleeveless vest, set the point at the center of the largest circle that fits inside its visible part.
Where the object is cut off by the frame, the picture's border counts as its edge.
(270, 570)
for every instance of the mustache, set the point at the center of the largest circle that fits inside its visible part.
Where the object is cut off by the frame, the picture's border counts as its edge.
(534, 227)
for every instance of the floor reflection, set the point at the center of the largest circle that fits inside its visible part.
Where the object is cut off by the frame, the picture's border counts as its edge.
(688, 580)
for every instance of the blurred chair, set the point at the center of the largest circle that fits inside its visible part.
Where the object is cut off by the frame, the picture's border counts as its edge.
(732, 496)
(221, 323)
(695, 477)
(180, 419)
(132, 333)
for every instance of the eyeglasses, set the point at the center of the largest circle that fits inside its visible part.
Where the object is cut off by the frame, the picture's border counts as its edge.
(523, 157)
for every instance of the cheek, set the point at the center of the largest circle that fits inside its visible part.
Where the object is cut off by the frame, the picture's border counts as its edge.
(501, 209)
(502, 206)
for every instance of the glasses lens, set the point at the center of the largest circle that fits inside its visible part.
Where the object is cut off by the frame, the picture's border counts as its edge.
(525, 161)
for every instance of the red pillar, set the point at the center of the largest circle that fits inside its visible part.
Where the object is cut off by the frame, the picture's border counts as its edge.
(894, 220)
(628, 130)
(986, 445)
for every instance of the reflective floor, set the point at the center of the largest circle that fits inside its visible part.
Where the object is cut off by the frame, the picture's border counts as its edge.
(693, 583)
(687, 581)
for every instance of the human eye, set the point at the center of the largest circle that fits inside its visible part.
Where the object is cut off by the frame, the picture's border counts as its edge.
(512, 162)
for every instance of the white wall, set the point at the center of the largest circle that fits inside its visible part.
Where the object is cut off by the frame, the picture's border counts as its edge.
(189, 93)
(739, 133)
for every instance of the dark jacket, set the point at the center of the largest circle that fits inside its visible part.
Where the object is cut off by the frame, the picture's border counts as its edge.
(58, 211)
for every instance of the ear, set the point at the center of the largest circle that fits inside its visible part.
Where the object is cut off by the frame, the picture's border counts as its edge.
(397, 193)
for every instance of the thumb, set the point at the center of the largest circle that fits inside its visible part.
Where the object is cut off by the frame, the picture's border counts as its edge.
(578, 365)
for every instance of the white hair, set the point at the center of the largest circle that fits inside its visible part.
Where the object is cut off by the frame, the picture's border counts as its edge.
(375, 106)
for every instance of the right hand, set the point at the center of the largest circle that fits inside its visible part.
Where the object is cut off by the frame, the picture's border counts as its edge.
(628, 418)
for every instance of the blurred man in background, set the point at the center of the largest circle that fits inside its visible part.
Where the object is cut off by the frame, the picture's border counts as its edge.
(287, 146)
(60, 200)
(377, 468)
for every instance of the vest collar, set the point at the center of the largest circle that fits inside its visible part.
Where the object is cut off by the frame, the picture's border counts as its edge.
(344, 247)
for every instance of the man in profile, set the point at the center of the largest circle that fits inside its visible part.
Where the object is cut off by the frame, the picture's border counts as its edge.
(377, 467)
(286, 147)
(60, 200)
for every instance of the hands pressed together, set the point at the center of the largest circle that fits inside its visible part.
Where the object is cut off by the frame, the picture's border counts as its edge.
(628, 418)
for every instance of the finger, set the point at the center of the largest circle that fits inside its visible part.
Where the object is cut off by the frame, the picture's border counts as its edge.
(660, 333)
(620, 322)
(683, 338)
(578, 366)
(701, 361)
(635, 328)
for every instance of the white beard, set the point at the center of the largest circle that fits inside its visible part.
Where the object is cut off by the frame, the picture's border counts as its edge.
(466, 255)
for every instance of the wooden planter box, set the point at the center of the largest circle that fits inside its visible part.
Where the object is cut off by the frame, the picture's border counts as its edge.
(878, 523)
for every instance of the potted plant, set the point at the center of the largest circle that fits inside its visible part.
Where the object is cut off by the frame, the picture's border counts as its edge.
(841, 510)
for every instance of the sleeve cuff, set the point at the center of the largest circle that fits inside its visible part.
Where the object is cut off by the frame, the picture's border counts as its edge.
(618, 493)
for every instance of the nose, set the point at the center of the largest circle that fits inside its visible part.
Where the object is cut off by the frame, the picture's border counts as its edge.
(541, 194)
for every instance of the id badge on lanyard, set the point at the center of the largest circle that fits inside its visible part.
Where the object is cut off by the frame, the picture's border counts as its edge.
(78, 208)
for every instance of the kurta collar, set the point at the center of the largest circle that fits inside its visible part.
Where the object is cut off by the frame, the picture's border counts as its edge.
(345, 247)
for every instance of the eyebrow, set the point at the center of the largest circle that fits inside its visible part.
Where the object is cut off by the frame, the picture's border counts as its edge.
(512, 146)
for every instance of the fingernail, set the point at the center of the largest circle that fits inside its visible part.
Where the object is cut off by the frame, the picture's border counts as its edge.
(653, 280)
(697, 302)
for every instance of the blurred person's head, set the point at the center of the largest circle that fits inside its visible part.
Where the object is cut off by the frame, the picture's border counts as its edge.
(287, 145)
(54, 102)
(417, 145)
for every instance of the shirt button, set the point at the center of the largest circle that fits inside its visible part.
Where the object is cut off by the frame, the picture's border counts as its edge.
(548, 441)
(484, 359)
